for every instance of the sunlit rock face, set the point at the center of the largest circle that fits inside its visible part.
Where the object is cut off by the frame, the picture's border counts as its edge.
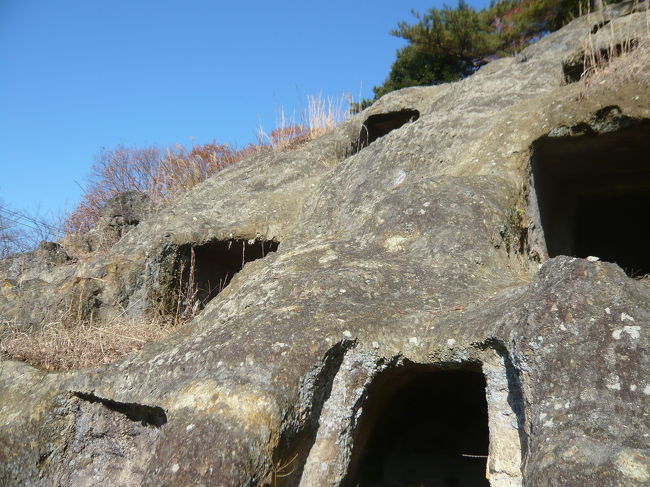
(443, 291)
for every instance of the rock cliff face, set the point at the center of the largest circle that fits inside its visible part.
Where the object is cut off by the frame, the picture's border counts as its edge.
(412, 304)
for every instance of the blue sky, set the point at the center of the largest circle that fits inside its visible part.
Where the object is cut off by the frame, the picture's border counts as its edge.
(76, 76)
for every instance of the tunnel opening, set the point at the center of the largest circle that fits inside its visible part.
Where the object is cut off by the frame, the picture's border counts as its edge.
(377, 126)
(422, 426)
(201, 271)
(593, 195)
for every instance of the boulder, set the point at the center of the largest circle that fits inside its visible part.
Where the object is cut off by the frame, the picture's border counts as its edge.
(126, 208)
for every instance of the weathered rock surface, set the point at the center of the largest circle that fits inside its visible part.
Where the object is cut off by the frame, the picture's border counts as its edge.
(420, 254)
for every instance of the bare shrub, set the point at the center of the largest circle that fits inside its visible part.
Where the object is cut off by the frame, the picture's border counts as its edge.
(21, 231)
(163, 174)
(114, 171)
(160, 174)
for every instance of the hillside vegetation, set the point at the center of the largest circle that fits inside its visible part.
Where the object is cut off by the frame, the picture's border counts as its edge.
(449, 43)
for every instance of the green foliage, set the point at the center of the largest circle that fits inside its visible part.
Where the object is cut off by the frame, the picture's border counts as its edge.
(458, 35)
(448, 44)
(415, 67)
(444, 45)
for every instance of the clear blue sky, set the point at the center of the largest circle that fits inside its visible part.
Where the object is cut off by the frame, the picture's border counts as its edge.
(76, 76)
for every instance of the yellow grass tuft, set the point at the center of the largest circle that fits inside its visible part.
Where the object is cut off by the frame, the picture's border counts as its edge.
(321, 116)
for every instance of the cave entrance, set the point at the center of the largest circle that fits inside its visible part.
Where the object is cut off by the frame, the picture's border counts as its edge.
(422, 426)
(379, 125)
(593, 195)
(203, 271)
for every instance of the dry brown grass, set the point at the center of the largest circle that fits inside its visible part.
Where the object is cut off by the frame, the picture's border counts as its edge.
(625, 58)
(56, 346)
(77, 340)
(633, 64)
(321, 116)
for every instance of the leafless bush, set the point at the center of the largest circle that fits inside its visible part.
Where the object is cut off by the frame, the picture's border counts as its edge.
(21, 231)
(163, 174)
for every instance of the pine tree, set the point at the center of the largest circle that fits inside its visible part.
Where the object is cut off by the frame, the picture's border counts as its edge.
(448, 44)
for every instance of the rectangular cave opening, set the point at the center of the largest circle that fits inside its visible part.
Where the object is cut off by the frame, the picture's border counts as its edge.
(203, 270)
(422, 426)
(377, 126)
(593, 195)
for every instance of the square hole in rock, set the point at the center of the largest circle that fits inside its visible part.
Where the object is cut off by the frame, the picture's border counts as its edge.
(422, 426)
(201, 271)
(593, 195)
(377, 126)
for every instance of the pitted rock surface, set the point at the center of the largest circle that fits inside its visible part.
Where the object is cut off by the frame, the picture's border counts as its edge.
(422, 248)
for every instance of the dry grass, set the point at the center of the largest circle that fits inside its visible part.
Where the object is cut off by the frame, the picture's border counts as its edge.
(626, 57)
(632, 64)
(76, 340)
(321, 116)
(56, 346)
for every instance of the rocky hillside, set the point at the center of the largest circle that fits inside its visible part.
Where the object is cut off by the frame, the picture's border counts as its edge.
(443, 291)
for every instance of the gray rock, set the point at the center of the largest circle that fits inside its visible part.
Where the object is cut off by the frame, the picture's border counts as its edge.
(30, 264)
(412, 291)
(122, 213)
(126, 208)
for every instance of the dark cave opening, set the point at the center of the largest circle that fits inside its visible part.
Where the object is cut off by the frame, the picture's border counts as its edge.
(377, 126)
(205, 270)
(422, 426)
(593, 195)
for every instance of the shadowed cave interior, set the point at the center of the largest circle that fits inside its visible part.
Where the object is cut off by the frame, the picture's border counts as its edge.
(422, 427)
(593, 194)
(379, 125)
(208, 268)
